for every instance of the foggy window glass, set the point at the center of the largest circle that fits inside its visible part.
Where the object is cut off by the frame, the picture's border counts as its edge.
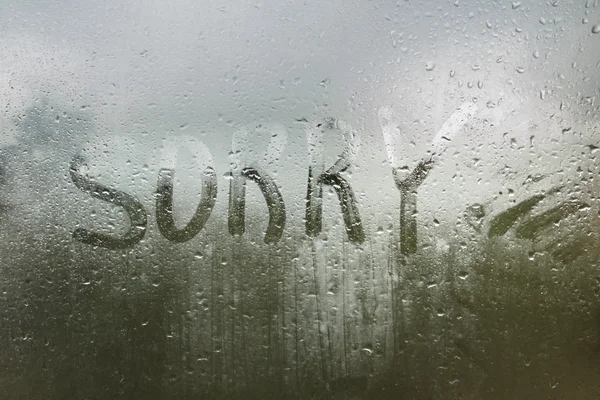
(300, 200)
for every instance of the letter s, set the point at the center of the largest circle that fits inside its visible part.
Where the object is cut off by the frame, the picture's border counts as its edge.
(133, 208)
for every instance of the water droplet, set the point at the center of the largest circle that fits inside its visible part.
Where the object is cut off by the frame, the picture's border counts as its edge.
(430, 66)
(536, 54)
(463, 275)
(452, 73)
(516, 4)
(488, 24)
(520, 70)
(596, 28)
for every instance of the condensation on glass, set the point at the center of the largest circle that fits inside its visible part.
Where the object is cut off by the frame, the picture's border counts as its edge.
(279, 199)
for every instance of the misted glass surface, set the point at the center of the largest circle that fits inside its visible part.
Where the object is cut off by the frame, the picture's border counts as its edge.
(276, 199)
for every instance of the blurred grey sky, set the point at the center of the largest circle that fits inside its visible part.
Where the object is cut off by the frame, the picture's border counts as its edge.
(150, 69)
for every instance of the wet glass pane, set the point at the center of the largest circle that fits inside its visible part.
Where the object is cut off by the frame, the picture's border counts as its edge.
(298, 199)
